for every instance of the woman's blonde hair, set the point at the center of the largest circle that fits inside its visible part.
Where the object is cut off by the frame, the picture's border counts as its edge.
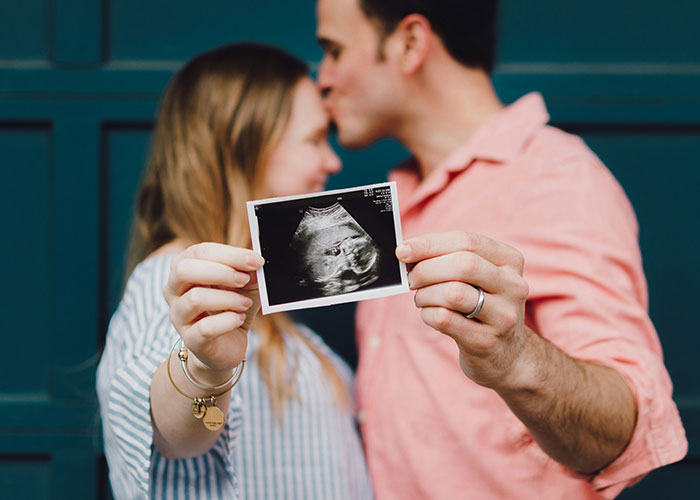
(219, 118)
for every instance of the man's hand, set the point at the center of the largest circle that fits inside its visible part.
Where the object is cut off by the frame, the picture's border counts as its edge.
(580, 413)
(449, 268)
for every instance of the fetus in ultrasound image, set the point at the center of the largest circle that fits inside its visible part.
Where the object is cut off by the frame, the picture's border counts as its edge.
(334, 253)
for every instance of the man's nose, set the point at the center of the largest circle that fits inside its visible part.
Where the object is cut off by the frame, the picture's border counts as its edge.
(324, 78)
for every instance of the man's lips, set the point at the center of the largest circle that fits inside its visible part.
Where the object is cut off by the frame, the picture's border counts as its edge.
(330, 109)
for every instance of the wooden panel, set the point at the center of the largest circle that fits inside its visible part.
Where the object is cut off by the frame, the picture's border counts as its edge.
(78, 16)
(617, 95)
(23, 415)
(25, 32)
(678, 481)
(25, 476)
(74, 253)
(25, 219)
(74, 474)
(584, 31)
(689, 407)
(125, 150)
(59, 475)
(176, 30)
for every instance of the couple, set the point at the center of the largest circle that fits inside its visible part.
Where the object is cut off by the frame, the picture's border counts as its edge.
(524, 365)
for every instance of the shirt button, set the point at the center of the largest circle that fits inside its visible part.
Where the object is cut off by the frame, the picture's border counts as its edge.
(361, 416)
(374, 342)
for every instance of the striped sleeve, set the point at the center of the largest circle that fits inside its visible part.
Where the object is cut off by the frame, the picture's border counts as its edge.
(139, 339)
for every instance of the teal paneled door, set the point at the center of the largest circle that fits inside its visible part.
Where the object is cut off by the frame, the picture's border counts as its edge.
(79, 87)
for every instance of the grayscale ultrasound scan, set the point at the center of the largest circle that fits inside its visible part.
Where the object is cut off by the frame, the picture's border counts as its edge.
(328, 248)
(336, 255)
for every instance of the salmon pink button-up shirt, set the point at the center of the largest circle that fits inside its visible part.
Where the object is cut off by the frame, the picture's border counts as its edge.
(429, 431)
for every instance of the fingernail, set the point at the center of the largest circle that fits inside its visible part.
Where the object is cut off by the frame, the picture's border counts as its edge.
(254, 260)
(242, 278)
(246, 302)
(403, 251)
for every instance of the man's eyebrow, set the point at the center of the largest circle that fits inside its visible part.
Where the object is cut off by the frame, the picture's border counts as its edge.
(325, 43)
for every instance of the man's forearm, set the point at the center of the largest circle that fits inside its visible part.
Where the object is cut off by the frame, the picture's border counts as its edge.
(471, 288)
(581, 414)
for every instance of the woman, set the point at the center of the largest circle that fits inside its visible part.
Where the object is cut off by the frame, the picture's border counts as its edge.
(236, 123)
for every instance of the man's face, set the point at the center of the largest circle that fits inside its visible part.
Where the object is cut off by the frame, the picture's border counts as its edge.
(360, 88)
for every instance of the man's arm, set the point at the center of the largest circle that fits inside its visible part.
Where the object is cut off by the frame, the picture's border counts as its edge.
(581, 414)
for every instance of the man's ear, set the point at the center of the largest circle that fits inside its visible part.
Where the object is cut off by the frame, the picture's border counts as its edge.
(413, 37)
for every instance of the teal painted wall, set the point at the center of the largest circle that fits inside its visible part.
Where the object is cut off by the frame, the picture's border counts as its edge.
(79, 85)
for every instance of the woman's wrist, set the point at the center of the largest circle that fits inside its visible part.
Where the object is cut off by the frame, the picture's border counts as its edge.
(206, 375)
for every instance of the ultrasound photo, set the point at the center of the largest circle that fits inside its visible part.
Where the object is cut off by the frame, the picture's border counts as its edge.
(327, 248)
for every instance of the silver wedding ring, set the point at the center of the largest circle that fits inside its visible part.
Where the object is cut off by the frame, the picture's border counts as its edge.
(479, 304)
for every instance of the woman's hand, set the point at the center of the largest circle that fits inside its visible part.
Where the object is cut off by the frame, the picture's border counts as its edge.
(213, 296)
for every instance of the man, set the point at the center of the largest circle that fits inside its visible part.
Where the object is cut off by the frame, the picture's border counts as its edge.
(565, 394)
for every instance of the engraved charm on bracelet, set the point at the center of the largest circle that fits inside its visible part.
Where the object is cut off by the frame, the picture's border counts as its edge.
(198, 408)
(213, 418)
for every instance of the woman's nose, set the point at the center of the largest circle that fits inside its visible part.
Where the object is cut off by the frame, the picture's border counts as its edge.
(331, 161)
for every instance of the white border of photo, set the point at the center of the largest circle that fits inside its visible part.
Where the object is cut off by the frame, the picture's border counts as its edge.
(335, 299)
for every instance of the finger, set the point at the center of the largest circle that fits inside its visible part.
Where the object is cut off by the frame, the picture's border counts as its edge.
(459, 297)
(235, 257)
(199, 300)
(459, 266)
(212, 326)
(187, 273)
(250, 287)
(432, 245)
(475, 337)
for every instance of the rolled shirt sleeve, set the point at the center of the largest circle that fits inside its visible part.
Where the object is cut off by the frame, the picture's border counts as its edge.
(589, 298)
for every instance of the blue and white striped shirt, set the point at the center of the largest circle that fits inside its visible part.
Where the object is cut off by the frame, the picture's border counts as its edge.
(313, 453)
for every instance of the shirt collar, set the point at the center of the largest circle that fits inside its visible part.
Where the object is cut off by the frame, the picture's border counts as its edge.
(499, 140)
(503, 136)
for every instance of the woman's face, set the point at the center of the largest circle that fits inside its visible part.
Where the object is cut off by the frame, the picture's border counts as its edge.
(302, 160)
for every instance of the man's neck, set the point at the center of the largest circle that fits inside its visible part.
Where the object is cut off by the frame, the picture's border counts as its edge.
(448, 110)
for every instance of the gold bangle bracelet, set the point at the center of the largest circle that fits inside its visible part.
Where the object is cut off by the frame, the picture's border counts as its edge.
(183, 354)
(211, 416)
